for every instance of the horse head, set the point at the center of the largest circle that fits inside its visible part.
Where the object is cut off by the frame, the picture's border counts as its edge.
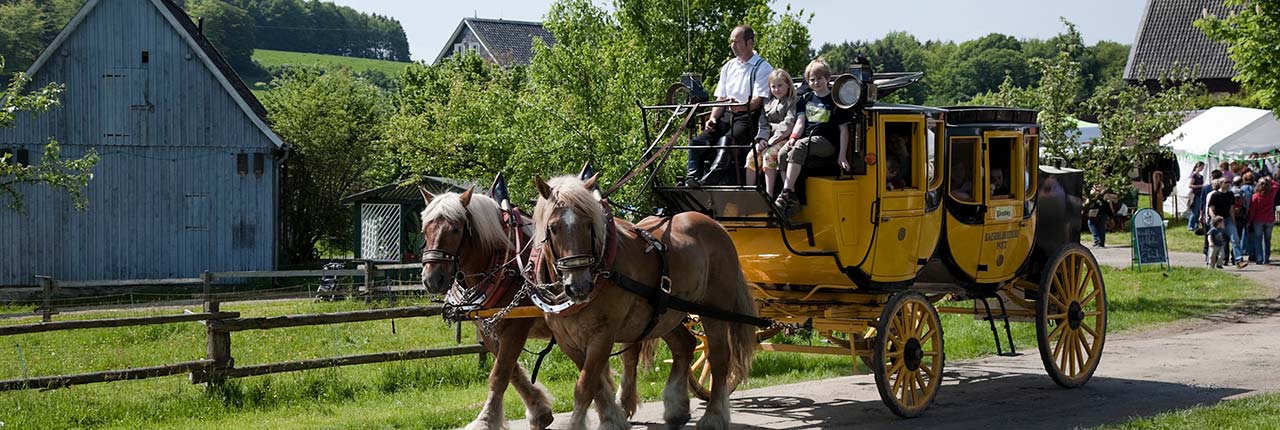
(460, 233)
(569, 225)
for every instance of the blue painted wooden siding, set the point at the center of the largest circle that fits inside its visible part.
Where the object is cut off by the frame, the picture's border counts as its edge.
(166, 199)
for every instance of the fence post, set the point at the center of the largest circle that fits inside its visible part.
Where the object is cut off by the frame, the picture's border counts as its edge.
(218, 347)
(46, 313)
(368, 277)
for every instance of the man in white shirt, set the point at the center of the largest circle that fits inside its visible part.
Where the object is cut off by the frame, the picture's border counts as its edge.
(743, 79)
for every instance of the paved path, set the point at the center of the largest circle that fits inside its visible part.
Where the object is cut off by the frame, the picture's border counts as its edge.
(1142, 373)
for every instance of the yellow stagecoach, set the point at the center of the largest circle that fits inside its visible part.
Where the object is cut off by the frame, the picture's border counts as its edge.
(969, 223)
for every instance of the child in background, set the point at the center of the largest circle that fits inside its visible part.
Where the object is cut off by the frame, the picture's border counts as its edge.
(776, 120)
(1218, 241)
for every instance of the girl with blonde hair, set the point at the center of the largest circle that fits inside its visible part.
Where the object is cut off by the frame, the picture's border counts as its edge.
(776, 120)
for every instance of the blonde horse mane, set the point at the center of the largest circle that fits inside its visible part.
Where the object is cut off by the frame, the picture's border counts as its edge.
(569, 191)
(486, 224)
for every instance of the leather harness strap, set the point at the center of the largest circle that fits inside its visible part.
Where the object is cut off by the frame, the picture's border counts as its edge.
(661, 299)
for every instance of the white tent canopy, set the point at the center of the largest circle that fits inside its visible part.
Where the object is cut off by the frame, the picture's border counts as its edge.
(1222, 133)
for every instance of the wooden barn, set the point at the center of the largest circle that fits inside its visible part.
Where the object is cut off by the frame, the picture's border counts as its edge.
(189, 173)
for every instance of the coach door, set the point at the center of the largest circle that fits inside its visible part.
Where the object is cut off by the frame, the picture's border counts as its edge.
(1005, 186)
(902, 170)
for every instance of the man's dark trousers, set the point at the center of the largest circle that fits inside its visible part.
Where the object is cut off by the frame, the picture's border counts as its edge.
(726, 168)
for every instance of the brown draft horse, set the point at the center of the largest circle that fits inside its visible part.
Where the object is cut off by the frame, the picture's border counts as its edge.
(465, 238)
(574, 239)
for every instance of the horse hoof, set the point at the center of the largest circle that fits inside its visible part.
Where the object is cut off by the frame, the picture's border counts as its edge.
(711, 423)
(677, 422)
(542, 420)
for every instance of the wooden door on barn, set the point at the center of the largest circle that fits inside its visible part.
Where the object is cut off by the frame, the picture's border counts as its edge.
(125, 105)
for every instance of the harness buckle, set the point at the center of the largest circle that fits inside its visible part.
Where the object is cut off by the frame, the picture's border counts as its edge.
(665, 284)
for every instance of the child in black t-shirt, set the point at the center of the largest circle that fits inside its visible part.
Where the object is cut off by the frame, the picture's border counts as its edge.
(820, 125)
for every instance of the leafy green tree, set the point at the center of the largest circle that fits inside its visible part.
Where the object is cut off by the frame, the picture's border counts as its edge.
(1253, 34)
(69, 175)
(576, 102)
(333, 123)
(231, 30)
(22, 27)
(1131, 121)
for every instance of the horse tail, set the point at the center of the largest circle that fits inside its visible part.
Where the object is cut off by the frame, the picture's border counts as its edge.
(742, 336)
(648, 353)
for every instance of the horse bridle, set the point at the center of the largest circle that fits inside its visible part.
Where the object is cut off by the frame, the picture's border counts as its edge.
(437, 255)
(591, 261)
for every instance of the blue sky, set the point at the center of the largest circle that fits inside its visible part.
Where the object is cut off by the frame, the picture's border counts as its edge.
(428, 24)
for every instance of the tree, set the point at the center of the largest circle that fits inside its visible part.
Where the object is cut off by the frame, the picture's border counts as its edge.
(1131, 121)
(22, 27)
(1253, 36)
(230, 29)
(71, 176)
(332, 121)
(1055, 95)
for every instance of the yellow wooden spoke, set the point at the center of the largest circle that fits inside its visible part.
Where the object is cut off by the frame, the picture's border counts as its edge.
(1058, 316)
(1089, 298)
(1089, 329)
(1084, 280)
(928, 370)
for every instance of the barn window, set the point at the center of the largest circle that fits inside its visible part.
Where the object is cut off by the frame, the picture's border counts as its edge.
(258, 164)
(242, 164)
(457, 48)
(23, 158)
(197, 212)
(146, 57)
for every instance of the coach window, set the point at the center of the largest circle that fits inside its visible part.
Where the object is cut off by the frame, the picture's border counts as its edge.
(901, 144)
(933, 144)
(963, 169)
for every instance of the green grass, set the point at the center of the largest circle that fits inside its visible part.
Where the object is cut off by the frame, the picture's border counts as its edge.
(1260, 412)
(268, 58)
(433, 393)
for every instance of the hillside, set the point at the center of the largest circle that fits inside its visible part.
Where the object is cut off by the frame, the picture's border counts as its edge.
(268, 59)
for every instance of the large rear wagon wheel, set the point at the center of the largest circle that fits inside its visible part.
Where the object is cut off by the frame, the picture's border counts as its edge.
(908, 356)
(1071, 316)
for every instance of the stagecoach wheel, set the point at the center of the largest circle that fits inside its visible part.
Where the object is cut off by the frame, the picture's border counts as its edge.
(1071, 316)
(908, 355)
(700, 372)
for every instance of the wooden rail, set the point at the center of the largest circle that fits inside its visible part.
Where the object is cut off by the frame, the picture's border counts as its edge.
(218, 366)
(350, 360)
(112, 322)
(63, 381)
(266, 323)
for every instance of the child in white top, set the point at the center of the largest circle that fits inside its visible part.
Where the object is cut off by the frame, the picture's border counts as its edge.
(776, 120)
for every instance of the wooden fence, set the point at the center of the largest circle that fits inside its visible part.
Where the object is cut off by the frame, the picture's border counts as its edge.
(219, 364)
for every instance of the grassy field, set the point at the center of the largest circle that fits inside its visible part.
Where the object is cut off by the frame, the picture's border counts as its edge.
(268, 58)
(1260, 412)
(434, 393)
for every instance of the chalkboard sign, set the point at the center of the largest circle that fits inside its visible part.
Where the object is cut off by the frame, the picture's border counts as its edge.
(1149, 246)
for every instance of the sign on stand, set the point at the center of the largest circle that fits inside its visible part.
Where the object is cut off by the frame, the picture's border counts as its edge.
(1148, 242)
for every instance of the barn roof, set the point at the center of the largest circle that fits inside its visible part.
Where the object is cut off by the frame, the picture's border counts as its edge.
(1168, 38)
(505, 41)
(204, 49)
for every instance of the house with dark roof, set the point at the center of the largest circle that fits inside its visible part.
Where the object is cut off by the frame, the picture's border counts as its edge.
(189, 172)
(499, 41)
(1168, 40)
